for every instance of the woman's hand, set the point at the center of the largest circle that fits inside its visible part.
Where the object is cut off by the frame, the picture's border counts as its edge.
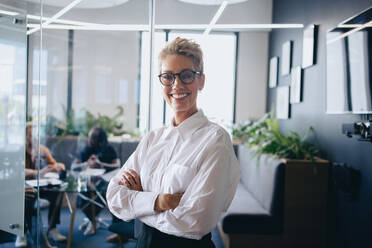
(46, 169)
(92, 161)
(30, 192)
(59, 167)
(167, 201)
(131, 180)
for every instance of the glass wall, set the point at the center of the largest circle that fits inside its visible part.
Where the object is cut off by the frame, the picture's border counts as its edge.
(12, 117)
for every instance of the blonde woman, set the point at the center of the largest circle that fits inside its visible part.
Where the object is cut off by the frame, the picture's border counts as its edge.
(182, 177)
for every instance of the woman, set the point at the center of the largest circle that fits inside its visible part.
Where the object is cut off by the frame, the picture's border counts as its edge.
(182, 177)
(98, 154)
(48, 164)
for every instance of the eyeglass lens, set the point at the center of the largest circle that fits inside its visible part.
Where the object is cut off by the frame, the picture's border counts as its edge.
(186, 76)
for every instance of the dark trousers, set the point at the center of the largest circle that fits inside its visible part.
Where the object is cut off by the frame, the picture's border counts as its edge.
(150, 237)
(29, 212)
(91, 210)
(54, 211)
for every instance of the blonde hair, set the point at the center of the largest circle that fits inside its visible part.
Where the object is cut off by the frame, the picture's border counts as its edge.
(186, 47)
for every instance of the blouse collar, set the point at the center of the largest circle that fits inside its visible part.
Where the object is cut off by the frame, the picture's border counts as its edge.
(190, 125)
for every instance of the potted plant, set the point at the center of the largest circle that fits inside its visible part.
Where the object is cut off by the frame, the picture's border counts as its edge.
(306, 178)
(265, 136)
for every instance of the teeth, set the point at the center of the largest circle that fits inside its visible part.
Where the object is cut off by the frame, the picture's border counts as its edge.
(179, 96)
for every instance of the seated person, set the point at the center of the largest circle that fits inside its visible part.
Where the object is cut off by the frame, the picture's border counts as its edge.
(48, 164)
(98, 154)
(30, 195)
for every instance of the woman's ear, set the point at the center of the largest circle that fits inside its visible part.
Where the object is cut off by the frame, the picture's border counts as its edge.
(201, 82)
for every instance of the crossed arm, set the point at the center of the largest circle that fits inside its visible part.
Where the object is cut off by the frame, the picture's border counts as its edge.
(163, 202)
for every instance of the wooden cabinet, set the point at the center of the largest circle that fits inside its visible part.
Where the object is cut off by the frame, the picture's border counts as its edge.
(305, 210)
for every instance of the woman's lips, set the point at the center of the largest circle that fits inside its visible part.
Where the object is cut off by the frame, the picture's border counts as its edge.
(179, 96)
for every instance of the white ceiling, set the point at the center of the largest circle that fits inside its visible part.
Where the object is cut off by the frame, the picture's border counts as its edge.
(86, 4)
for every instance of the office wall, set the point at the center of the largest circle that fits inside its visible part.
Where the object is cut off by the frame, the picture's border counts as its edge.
(251, 75)
(350, 221)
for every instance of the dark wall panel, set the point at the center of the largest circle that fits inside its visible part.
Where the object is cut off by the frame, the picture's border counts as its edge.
(351, 225)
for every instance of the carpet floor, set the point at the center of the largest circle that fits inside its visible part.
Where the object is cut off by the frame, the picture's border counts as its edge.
(79, 240)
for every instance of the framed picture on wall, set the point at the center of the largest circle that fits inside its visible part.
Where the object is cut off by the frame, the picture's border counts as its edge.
(282, 102)
(286, 57)
(309, 46)
(296, 78)
(273, 76)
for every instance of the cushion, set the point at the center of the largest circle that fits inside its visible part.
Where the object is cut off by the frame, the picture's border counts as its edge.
(244, 203)
(259, 175)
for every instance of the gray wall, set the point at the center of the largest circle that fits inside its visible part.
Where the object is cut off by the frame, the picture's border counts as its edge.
(252, 75)
(350, 221)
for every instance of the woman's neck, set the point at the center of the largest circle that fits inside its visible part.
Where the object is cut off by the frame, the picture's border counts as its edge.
(179, 117)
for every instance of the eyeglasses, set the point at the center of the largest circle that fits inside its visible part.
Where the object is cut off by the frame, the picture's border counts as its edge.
(186, 76)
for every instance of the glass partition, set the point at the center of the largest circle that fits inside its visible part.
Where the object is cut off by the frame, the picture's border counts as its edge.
(12, 117)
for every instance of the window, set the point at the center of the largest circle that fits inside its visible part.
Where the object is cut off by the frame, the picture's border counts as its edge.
(217, 97)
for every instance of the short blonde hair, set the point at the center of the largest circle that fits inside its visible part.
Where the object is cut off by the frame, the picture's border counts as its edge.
(186, 47)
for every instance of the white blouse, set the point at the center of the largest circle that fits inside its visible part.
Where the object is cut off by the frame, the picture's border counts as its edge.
(196, 158)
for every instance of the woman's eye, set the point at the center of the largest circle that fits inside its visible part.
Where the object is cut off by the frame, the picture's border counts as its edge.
(187, 75)
(168, 77)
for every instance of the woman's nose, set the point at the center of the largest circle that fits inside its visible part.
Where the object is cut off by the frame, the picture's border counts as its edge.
(177, 82)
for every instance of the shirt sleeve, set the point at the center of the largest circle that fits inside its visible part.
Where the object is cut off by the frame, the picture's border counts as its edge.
(129, 204)
(208, 196)
(48, 156)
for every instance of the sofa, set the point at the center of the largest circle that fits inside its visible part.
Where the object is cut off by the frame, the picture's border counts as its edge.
(278, 203)
(66, 149)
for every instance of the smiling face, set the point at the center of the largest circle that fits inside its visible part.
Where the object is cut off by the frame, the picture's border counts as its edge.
(181, 97)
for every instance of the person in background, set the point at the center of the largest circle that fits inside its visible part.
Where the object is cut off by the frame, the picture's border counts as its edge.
(181, 178)
(30, 195)
(98, 154)
(47, 164)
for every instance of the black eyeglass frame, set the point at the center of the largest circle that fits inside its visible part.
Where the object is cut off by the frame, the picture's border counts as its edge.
(179, 76)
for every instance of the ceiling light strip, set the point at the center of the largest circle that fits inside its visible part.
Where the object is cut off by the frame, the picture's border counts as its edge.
(9, 13)
(352, 25)
(183, 27)
(349, 32)
(256, 26)
(229, 26)
(215, 18)
(61, 21)
(98, 27)
(56, 16)
(145, 27)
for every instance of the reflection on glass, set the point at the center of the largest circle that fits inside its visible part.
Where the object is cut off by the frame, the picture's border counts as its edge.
(359, 72)
(12, 121)
(337, 92)
(349, 65)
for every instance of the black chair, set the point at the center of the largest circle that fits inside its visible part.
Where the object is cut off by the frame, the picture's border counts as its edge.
(6, 237)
